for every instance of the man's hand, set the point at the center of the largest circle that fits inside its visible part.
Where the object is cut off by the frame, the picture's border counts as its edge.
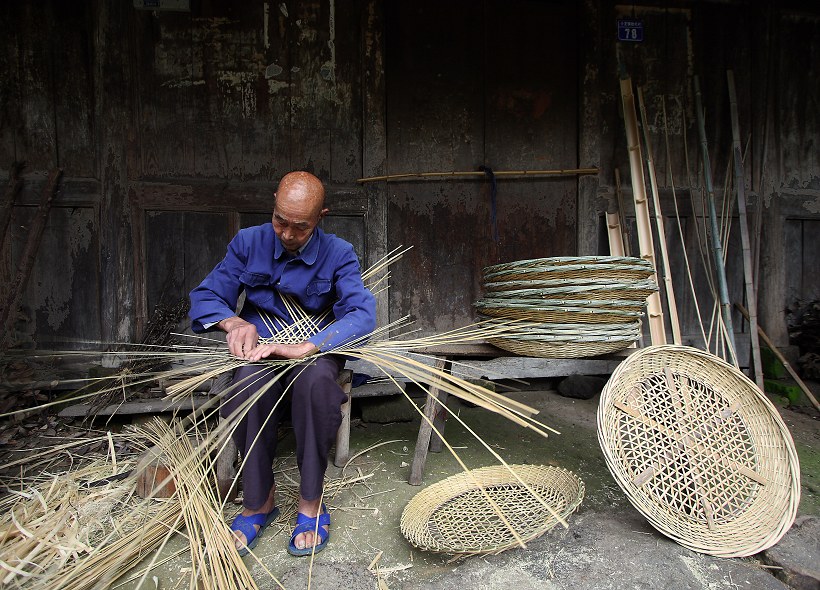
(282, 351)
(242, 336)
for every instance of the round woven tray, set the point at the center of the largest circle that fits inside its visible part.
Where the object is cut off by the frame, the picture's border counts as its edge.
(574, 292)
(699, 451)
(571, 272)
(558, 314)
(545, 303)
(560, 349)
(564, 331)
(606, 283)
(453, 516)
(567, 261)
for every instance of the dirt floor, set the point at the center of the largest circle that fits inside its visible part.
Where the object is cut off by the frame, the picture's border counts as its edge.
(608, 543)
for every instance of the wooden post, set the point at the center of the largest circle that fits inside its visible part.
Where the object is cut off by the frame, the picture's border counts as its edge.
(657, 332)
(740, 187)
(671, 302)
(431, 408)
(717, 247)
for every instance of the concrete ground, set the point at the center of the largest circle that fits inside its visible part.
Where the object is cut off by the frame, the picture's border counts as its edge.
(608, 543)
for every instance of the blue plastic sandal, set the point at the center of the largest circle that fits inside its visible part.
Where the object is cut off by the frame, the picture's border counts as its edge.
(306, 524)
(246, 525)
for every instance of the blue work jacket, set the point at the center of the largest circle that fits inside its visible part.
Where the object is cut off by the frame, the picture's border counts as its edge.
(325, 275)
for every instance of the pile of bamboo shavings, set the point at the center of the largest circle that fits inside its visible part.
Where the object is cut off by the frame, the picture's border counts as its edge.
(61, 533)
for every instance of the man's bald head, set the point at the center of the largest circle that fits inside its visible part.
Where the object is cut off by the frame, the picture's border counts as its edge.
(298, 207)
(302, 187)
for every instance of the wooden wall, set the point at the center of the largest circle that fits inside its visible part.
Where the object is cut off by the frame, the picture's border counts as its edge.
(173, 127)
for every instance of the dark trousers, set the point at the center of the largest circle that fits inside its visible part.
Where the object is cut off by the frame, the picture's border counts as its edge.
(314, 400)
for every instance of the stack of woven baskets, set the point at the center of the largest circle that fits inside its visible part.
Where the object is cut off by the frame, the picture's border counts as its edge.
(567, 307)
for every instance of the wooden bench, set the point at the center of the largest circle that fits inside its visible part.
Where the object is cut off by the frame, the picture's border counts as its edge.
(489, 360)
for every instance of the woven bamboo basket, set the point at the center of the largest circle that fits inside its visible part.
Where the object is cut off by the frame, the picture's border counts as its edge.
(624, 292)
(549, 303)
(454, 516)
(567, 261)
(557, 314)
(567, 349)
(571, 272)
(565, 331)
(699, 451)
(602, 283)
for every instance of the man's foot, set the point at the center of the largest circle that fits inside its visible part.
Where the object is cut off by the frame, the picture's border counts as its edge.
(241, 541)
(308, 539)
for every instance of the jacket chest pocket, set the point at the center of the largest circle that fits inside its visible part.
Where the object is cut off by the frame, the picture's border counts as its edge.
(258, 289)
(318, 294)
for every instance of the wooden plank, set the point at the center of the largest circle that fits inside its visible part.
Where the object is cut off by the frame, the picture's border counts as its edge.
(9, 196)
(136, 407)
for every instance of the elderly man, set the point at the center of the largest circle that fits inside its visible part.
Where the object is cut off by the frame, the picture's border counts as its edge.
(294, 257)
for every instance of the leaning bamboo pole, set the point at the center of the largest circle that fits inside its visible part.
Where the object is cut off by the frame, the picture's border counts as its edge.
(717, 246)
(480, 174)
(613, 230)
(740, 187)
(671, 302)
(657, 332)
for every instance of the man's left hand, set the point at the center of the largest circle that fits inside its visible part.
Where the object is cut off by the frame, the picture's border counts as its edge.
(282, 351)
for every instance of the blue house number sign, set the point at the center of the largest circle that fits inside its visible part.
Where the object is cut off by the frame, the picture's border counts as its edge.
(630, 30)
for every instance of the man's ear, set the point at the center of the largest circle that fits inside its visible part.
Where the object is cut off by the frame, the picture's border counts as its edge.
(323, 212)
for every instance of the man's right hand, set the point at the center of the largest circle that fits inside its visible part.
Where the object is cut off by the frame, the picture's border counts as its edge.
(242, 336)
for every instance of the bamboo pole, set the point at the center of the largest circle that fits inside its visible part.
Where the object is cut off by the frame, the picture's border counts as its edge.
(657, 332)
(740, 187)
(621, 213)
(717, 247)
(616, 241)
(481, 174)
(671, 302)
(782, 359)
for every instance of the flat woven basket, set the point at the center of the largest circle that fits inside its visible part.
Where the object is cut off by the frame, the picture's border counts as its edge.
(573, 272)
(453, 516)
(567, 261)
(699, 451)
(556, 314)
(560, 350)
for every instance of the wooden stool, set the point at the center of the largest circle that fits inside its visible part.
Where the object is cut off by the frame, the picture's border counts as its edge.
(226, 461)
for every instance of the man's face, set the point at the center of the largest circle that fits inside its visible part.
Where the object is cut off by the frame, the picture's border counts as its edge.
(294, 218)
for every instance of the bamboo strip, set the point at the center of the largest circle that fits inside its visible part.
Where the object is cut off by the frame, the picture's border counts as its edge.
(615, 235)
(717, 246)
(411, 175)
(657, 331)
(740, 187)
(667, 269)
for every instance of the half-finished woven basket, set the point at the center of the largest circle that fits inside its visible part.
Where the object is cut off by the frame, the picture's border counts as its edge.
(453, 516)
(699, 451)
